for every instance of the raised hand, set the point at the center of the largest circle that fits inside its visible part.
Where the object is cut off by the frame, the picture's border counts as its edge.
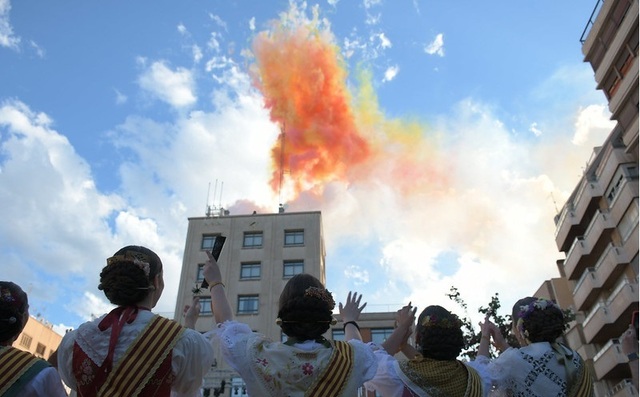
(351, 309)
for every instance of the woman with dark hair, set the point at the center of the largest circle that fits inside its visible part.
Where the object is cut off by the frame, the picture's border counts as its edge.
(22, 374)
(131, 351)
(541, 366)
(306, 364)
(432, 369)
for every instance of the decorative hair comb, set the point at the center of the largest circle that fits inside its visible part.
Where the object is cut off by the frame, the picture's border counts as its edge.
(137, 258)
(433, 321)
(321, 294)
(540, 304)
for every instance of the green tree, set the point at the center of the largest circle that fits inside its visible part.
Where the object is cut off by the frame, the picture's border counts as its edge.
(504, 322)
(471, 337)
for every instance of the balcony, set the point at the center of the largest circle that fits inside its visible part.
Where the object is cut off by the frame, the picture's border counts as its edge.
(611, 362)
(598, 232)
(574, 336)
(587, 289)
(623, 389)
(608, 320)
(611, 264)
(584, 202)
(628, 191)
(574, 258)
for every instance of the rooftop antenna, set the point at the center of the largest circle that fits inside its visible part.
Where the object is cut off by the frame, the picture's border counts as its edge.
(212, 209)
(554, 202)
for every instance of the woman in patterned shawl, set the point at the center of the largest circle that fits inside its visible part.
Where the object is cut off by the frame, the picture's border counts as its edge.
(433, 369)
(541, 366)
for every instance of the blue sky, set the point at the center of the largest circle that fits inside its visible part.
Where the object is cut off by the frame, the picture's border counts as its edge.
(116, 116)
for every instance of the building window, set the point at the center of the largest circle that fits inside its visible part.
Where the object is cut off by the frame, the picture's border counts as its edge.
(337, 334)
(200, 275)
(250, 271)
(40, 350)
(624, 172)
(291, 268)
(248, 304)
(25, 341)
(207, 242)
(252, 240)
(379, 335)
(205, 306)
(294, 237)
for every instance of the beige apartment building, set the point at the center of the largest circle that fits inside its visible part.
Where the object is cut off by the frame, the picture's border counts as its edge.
(38, 338)
(597, 228)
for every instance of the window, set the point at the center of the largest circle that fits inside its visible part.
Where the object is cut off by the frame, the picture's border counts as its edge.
(248, 304)
(207, 241)
(337, 334)
(205, 306)
(294, 237)
(250, 271)
(25, 341)
(291, 268)
(624, 172)
(252, 240)
(40, 350)
(200, 275)
(379, 335)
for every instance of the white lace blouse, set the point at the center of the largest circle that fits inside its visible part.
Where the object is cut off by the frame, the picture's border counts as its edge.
(191, 358)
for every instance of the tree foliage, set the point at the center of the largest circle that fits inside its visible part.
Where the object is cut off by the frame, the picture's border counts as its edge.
(504, 322)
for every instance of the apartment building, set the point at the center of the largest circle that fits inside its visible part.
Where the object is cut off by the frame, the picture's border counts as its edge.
(38, 338)
(597, 228)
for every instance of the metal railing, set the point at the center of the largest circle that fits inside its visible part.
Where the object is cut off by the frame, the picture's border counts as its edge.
(592, 18)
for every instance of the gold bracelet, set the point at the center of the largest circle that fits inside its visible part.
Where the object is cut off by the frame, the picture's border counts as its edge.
(216, 283)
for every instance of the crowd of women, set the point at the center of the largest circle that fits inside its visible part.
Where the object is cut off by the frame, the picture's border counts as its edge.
(133, 352)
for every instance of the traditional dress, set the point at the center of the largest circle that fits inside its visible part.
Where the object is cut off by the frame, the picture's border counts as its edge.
(24, 375)
(310, 368)
(151, 356)
(538, 369)
(424, 377)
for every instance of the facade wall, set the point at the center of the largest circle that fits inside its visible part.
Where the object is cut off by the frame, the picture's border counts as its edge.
(38, 338)
(597, 229)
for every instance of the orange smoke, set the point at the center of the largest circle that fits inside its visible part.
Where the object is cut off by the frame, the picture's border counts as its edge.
(328, 135)
(303, 81)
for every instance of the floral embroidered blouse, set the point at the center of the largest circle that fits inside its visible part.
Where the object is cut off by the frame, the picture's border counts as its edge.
(276, 369)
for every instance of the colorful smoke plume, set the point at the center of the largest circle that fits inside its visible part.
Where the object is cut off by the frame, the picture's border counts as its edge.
(332, 129)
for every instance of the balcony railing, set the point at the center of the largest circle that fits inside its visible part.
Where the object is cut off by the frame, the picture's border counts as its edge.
(592, 19)
(623, 389)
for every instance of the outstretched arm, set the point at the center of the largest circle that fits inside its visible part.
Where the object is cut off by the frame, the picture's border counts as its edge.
(398, 339)
(219, 302)
(191, 313)
(350, 313)
(490, 332)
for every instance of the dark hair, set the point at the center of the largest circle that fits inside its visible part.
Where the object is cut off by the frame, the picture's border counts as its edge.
(305, 308)
(543, 322)
(125, 280)
(13, 305)
(439, 336)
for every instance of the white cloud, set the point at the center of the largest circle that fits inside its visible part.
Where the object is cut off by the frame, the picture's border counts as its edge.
(40, 52)
(252, 24)
(371, 3)
(218, 21)
(197, 53)
(588, 118)
(333, 3)
(534, 129)
(175, 87)
(384, 41)
(436, 46)
(391, 73)
(7, 37)
(182, 29)
(121, 99)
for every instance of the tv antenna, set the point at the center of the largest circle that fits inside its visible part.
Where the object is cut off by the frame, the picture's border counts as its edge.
(212, 209)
